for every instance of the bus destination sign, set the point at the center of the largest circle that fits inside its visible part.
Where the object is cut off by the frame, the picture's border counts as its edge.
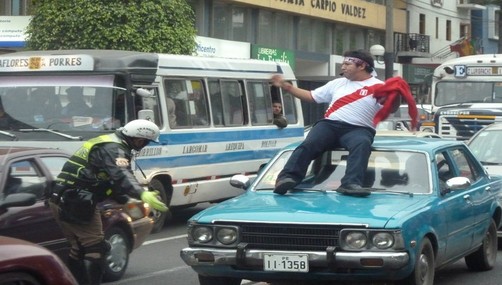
(484, 70)
(46, 63)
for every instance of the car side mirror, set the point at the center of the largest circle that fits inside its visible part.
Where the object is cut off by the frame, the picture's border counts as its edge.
(240, 181)
(18, 200)
(146, 115)
(456, 183)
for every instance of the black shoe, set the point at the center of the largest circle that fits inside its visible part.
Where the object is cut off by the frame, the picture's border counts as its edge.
(354, 190)
(282, 186)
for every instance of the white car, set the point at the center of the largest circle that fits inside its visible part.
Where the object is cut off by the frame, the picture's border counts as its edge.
(485, 145)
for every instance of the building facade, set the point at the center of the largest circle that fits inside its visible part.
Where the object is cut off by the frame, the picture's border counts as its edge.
(311, 35)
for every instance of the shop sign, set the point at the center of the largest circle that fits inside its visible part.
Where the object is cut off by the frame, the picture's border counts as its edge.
(273, 54)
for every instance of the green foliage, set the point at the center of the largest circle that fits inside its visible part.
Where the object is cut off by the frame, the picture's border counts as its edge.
(165, 26)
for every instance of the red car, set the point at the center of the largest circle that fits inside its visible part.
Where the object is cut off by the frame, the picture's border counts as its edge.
(26, 174)
(22, 262)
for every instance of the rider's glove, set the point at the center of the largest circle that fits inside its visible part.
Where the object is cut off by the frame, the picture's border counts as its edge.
(150, 197)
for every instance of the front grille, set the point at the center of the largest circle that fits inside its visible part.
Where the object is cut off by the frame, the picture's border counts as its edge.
(461, 128)
(289, 236)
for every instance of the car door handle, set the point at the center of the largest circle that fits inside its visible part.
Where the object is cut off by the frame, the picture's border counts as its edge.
(467, 198)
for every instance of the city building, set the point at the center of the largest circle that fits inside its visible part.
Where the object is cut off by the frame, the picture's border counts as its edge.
(311, 35)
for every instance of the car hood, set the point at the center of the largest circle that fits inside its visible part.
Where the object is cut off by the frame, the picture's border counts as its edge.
(375, 210)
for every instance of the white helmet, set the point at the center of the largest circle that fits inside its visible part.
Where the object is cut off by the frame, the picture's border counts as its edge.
(142, 129)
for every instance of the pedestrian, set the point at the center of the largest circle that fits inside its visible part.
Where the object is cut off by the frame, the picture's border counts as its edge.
(279, 119)
(100, 169)
(347, 123)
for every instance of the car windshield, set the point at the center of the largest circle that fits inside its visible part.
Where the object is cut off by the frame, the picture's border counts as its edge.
(395, 171)
(485, 146)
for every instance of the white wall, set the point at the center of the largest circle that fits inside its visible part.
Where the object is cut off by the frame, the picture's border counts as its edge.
(448, 11)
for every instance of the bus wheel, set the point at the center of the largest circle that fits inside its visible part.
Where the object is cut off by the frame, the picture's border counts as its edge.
(160, 218)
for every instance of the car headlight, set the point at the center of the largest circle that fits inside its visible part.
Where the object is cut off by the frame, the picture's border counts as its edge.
(356, 240)
(202, 234)
(383, 240)
(226, 235)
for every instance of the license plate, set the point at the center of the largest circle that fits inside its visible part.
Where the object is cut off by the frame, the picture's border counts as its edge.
(286, 262)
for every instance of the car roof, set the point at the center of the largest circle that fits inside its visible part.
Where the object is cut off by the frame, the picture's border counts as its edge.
(404, 143)
(23, 151)
(397, 133)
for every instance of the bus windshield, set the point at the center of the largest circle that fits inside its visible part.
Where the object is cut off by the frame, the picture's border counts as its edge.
(61, 104)
(459, 92)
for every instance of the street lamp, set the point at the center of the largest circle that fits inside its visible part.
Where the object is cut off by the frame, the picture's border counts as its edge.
(379, 52)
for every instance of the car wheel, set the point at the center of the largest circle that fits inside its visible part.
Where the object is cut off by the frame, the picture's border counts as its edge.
(18, 277)
(484, 258)
(160, 218)
(118, 257)
(211, 280)
(423, 273)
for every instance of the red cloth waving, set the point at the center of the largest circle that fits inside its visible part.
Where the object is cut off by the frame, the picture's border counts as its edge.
(389, 92)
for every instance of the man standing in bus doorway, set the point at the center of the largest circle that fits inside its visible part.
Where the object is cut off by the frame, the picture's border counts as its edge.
(98, 170)
(347, 123)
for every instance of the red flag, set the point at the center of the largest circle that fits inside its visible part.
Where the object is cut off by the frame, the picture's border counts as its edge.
(463, 47)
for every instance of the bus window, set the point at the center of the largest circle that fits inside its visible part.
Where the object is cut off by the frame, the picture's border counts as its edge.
(190, 102)
(150, 103)
(216, 102)
(497, 92)
(260, 103)
(198, 104)
(174, 90)
(289, 108)
(233, 109)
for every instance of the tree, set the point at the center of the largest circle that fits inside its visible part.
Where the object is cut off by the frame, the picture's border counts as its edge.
(164, 26)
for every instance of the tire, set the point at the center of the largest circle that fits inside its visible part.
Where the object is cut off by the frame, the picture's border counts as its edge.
(211, 280)
(18, 277)
(160, 218)
(484, 258)
(423, 273)
(118, 257)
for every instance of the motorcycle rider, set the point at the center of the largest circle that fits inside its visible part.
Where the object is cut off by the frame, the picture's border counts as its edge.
(100, 169)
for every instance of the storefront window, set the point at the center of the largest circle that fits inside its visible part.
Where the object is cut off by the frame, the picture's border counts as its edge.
(265, 33)
(340, 39)
(283, 31)
(304, 34)
(231, 22)
(321, 37)
(14, 7)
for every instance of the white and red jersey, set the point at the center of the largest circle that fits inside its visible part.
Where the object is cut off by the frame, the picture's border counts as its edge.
(349, 101)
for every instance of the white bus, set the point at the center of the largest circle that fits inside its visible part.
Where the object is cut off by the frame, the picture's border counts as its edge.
(215, 114)
(466, 95)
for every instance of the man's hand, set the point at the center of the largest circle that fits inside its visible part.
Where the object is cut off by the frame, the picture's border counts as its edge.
(150, 197)
(277, 80)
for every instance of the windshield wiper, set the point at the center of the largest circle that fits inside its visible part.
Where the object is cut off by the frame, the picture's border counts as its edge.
(13, 136)
(490, 163)
(391, 191)
(76, 138)
(297, 189)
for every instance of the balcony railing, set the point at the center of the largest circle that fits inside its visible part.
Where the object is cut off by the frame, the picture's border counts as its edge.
(411, 43)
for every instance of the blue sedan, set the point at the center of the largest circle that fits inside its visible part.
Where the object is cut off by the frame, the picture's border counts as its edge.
(432, 203)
